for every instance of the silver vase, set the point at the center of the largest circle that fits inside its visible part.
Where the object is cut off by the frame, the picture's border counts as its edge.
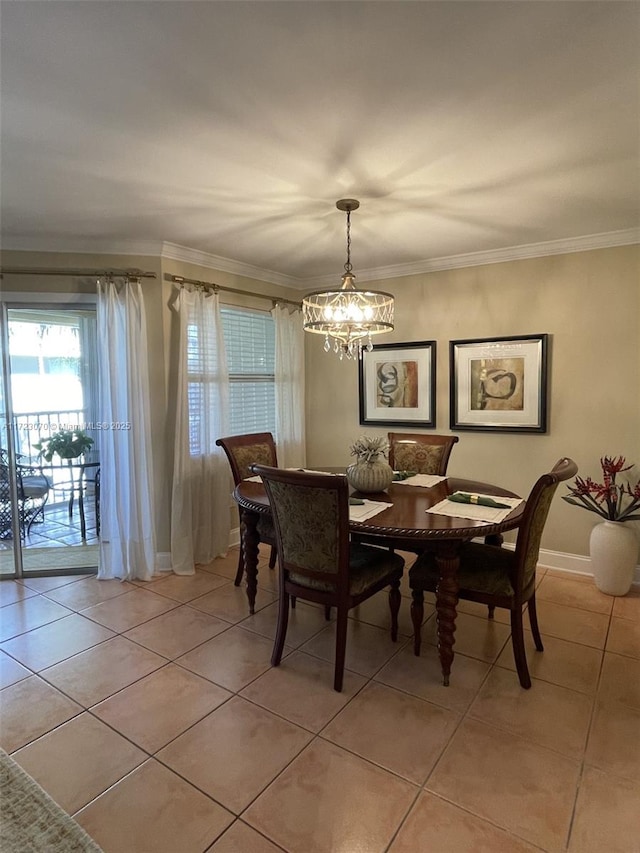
(370, 477)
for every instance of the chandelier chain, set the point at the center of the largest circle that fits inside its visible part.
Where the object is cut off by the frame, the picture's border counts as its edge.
(348, 267)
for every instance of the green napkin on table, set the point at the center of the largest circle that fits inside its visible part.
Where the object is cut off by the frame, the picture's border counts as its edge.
(481, 500)
(403, 475)
(356, 502)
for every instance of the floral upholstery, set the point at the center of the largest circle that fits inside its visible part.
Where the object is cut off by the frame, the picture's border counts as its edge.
(310, 536)
(483, 568)
(262, 454)
(310, 541)
(418, 457)
(535, 534)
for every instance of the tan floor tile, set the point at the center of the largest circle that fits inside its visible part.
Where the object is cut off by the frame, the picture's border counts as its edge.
(573, 624)
(97, 673)
(305, 621)
(568, 664)
(570, 576)
(476, 637)
(627, 606)
(620, 680)
(187, 587)
(78, 761)
(160, 706)
(56, 641)
(375, 611)
(607, 815)
(368, 647)
(27, 614)
(153, 811)
(473, 608)
(30, 708)
(240, 838)
(230, 602)
(397, 731)
(12, 591)
(624, 637)
(422, 677)
(574, 594)
(493, 774)
(329, 800)
(433, 824)
(503, 703)
(128, 610)
(174, 633)
(45, 584)
(88, 591)
(232, 659)
(301, 690)
(226, 567)
(235, 752)
(614, 745)
(11, 671)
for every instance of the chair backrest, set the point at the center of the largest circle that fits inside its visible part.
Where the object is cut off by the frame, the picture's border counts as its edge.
(243, 450)
(424, 454)
(311, 518)
(533, 521)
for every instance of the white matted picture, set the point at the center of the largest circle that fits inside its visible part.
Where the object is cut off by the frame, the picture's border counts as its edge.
(499, 384)
(397, 384)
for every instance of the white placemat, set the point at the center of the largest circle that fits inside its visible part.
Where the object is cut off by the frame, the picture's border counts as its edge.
(253, 479)
(360, 512)
(424, 480)
(486, 514)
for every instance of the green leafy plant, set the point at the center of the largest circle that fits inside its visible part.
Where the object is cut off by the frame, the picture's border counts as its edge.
(369, 448)
(613, 501)
(67, 443)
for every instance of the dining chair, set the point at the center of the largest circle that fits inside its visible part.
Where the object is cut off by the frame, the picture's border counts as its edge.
(496, 576)
(242, 451)
(317, 561)
(419, 452)
(32, 488)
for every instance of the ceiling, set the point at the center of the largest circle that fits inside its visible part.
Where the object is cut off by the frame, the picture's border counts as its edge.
(231, 128)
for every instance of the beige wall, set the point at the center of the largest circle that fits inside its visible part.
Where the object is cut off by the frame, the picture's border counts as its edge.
(587, 302)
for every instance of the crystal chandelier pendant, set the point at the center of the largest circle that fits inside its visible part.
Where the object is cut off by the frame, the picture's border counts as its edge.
(348, 316)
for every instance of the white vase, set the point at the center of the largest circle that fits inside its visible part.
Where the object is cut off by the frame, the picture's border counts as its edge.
(614, 552)
(370, 477)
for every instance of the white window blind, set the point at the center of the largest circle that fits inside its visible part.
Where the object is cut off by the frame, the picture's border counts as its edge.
(250, 344)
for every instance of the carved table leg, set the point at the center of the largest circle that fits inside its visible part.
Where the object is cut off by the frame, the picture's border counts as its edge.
(447, 560)
(250, 542)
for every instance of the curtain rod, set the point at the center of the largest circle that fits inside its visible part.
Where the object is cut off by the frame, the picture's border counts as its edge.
(78, 272)
(178, 279)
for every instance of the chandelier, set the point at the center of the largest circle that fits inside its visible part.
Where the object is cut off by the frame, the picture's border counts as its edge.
(348, 316)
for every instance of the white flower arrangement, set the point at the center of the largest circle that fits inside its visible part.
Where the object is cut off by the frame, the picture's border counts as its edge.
(369, 448)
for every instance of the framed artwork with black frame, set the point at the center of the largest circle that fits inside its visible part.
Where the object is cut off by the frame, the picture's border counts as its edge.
(499, 384)
(397, 385)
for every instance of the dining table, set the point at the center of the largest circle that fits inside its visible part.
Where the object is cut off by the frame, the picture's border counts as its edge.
(404, 525)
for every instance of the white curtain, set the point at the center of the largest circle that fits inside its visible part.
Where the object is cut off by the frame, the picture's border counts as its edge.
(289, 387)
(200, 505)
(127, 528)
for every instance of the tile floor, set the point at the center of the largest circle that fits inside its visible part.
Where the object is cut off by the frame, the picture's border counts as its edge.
(150, 712)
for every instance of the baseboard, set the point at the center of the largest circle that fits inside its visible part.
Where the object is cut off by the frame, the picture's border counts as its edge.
(234, 536)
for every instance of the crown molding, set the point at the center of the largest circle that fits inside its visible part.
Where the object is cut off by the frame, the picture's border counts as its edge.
(173, 251)
(83, 246)
(606, 240)
(215, 262)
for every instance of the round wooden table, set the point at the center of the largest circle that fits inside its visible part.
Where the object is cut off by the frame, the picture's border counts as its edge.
(405, 526)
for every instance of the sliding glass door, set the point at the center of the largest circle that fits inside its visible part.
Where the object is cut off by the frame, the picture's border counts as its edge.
(52, 478)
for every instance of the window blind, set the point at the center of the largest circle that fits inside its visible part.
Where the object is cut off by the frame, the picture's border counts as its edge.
(250, 344)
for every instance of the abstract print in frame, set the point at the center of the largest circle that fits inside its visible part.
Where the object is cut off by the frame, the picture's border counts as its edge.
(499, 384)
(397, 384)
